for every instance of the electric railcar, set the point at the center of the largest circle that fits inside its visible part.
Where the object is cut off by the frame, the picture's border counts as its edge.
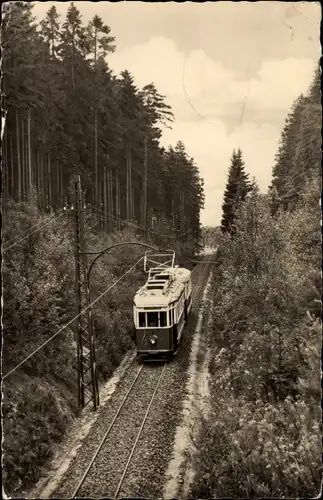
(161, 308)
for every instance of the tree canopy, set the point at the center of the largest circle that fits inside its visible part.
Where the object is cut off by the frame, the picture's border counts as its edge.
(68, 112)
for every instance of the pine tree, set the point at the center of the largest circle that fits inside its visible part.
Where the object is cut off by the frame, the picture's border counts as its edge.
(237, 188)
(298, 160)
(23, 89)
(155, 111)
(254, 188)
(50, 30)
(99, 45)
(74, 44)
(285, 159)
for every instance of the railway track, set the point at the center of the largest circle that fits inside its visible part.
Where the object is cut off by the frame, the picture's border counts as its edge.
(109, 469)
(104, 474)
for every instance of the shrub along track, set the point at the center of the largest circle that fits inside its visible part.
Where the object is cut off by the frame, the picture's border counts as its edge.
(132, 440)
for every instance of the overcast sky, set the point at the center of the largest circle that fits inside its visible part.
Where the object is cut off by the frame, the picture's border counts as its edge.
(230, 71)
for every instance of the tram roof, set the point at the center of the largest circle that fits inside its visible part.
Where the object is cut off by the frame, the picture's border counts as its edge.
(162, 297)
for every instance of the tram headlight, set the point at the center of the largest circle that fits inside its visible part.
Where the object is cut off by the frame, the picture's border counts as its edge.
(153, 340)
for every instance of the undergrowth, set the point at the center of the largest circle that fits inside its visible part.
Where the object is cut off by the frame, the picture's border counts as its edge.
(262, 436)
(40, 398)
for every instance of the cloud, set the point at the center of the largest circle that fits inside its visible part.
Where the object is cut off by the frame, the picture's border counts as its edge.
(211, 146)
(278, 84)
(211, 88)
(215, 111)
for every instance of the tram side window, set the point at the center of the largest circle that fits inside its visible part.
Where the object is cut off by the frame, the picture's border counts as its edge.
(142, 320)
(163, 318)
(152, 319)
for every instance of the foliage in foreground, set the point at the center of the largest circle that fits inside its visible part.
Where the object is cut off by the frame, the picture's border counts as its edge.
(39, 400)
(262, 434)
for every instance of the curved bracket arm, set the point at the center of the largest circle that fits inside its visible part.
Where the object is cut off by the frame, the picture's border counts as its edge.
(110, 248)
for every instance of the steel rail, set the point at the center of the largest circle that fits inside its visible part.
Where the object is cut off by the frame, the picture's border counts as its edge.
(80, 483)
(140, 432)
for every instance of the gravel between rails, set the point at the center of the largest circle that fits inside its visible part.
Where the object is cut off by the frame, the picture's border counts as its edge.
(145, 475)
(106, 412)
(109, 465)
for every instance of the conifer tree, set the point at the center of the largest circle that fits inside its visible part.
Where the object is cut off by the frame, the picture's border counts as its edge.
(237, 189)
(50, 27)
(298, 160)
(285, 159)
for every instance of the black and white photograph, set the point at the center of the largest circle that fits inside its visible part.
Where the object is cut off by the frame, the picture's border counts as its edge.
(161, 249)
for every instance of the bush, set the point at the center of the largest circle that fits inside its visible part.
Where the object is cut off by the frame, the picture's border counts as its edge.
(254, 450)
(261, 437)
(35, 417)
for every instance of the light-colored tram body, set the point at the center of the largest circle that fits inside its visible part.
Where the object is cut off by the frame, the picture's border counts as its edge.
(161, 308)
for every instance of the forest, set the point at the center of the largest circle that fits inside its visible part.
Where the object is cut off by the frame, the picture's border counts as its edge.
(261, 434)
(67, 113)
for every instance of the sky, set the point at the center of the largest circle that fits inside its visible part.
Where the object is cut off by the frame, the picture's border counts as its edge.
(230, 71)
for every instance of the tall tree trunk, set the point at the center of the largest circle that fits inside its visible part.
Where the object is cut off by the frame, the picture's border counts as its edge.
(5, 164)
(110, 198)
(26, 163)
(38, 177)
(149, 217)
(23, 151)
(57, 197)
(39, 180)
(96, 152)
(118, 211)
(95, 118)
(110, 220)
(130, 185)
(18, 157)
(49, 185)
(61, 187)
(100, 208)
(142, 210)
(181, 216)
(173, 214)
(127, 184)
(12, 169)
(116, 197)
(43, 185)
(29, 157)
(145, 178)
(133, 201)
(106, 225)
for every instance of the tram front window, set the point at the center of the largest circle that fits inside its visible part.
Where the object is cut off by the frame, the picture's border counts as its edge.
(152, 319)
(142, 320)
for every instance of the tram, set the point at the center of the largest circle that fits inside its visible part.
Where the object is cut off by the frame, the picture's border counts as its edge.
(161, 308)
